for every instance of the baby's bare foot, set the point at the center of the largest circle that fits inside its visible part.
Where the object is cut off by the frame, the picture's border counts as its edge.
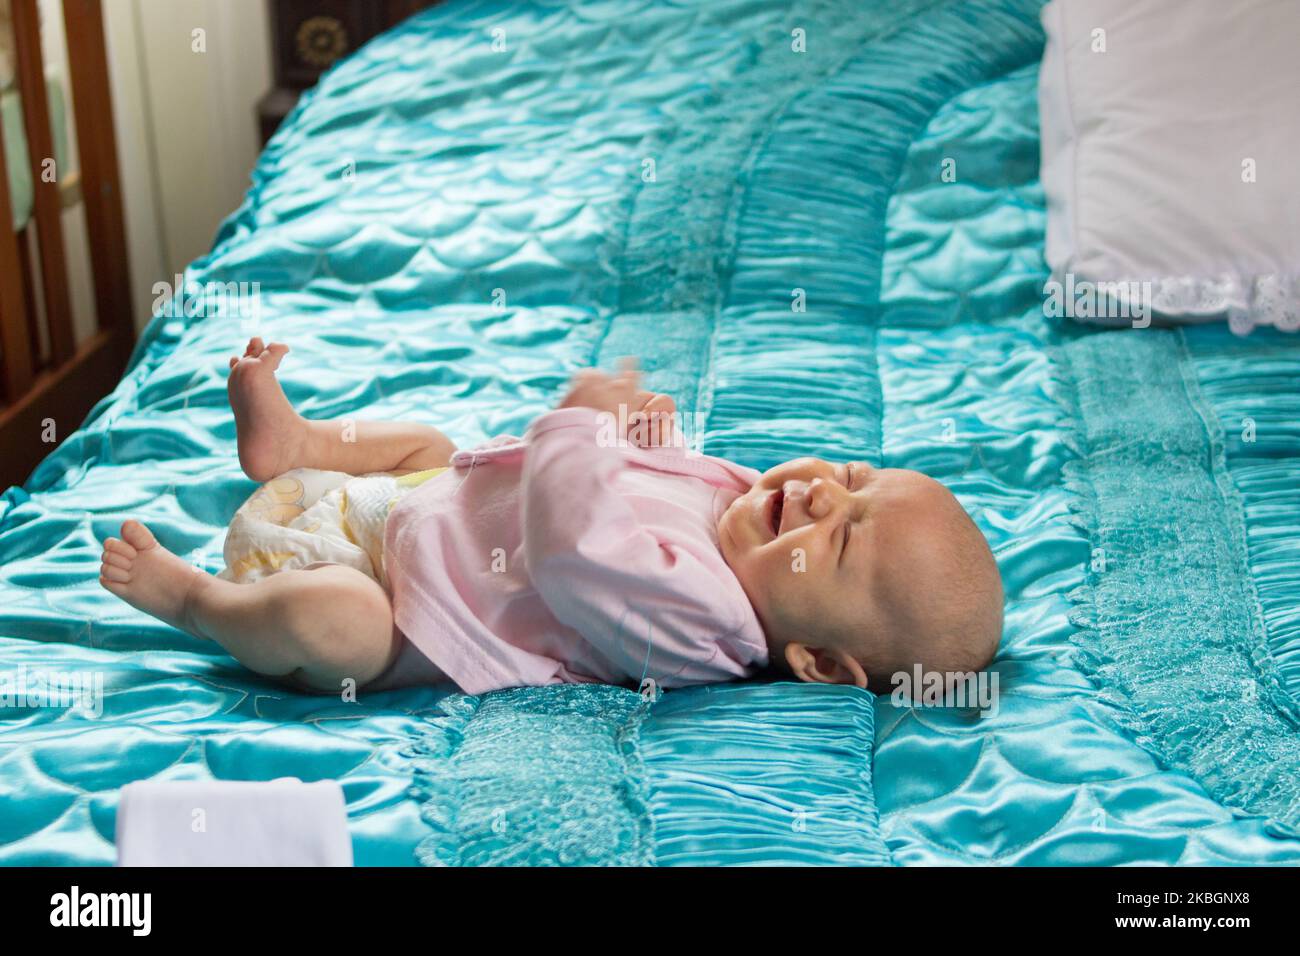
(147, 576)
(269, 431)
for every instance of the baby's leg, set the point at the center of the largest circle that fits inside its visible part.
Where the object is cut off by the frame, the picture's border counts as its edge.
(273, 438)
(318, 627)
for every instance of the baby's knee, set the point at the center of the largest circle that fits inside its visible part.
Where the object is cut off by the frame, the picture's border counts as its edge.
(341, 621)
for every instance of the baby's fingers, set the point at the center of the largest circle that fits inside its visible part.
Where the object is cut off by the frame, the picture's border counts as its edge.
(654, 420)
(629, 377)
(587, 376)
(658, 402)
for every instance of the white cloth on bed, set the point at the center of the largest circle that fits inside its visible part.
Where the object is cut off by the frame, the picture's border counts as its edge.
(233, 823)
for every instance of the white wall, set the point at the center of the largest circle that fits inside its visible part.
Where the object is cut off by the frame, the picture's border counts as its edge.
(186, 122)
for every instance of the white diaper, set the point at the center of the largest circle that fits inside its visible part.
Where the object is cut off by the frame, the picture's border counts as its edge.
(307, 517)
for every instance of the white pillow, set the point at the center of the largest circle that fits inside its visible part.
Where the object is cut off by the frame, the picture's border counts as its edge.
(1171, 156)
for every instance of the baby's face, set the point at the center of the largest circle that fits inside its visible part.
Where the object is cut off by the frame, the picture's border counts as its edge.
(815, 543)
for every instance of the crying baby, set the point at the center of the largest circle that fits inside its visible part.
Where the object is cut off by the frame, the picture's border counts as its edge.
(378, 555)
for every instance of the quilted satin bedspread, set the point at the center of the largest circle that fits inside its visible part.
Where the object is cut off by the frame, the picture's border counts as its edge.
(820, 226)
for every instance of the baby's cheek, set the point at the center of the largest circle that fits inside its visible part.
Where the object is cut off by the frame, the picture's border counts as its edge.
(744, 566)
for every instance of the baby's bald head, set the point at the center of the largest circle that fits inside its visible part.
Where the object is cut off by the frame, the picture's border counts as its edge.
(937, 601)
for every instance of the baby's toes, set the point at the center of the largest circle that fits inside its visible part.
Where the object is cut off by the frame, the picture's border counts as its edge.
(111, 572)
(138, 536)
(274, 353)
(117, 546)
(115, 559)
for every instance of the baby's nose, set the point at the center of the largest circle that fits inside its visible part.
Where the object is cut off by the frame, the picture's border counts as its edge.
(822, 498)
(798, 502)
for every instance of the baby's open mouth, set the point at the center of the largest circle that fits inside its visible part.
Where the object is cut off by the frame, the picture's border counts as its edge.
(774, 513)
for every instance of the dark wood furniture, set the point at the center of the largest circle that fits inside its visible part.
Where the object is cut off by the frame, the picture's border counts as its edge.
(308, 36)
(46, 376)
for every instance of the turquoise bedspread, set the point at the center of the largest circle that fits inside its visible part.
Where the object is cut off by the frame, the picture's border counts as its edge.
(821, 228)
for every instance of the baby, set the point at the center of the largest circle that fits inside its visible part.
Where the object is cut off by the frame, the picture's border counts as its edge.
(594, 549)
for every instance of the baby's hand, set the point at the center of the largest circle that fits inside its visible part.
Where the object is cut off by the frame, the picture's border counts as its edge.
(651, 425)
(616, 394)
(645, 417)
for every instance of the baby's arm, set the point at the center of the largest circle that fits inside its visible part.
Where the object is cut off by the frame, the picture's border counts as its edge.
(599, 569)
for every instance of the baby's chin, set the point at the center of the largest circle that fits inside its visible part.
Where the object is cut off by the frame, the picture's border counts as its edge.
(733, 554)
(726, 529)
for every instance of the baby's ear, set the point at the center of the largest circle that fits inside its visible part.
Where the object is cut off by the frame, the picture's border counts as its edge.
(819, 665)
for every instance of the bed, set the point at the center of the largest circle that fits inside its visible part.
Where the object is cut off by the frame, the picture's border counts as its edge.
(752, 199)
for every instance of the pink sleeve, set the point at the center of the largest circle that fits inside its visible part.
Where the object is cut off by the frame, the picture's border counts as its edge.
(602, 573)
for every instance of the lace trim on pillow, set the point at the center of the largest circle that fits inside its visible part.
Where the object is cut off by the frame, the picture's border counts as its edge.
(1266, 300)
(1169, 621)
(1262, 300)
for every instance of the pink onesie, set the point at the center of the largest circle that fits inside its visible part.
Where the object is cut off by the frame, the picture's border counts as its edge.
(553, 560)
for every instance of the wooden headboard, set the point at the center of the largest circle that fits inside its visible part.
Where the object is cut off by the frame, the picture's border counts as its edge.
(48, 380)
